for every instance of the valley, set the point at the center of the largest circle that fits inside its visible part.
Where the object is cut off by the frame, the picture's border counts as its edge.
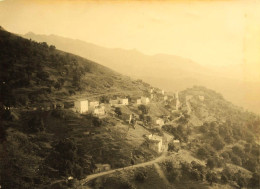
(68, 122)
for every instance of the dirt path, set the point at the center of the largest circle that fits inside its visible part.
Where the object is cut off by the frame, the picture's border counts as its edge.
(182, 155)
(161, 173)
(93, 176)
(188, 106)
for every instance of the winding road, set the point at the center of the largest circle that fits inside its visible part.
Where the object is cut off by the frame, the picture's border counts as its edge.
(96, 175)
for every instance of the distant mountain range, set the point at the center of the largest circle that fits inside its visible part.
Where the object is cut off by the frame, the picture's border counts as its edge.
(170, 72)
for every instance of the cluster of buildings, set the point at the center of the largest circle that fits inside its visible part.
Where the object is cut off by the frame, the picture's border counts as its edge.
(84, 106)
(119, 101)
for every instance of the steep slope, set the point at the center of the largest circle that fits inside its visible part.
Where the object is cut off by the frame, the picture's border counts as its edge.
(219, 148)
(165, 71)
(124, 61)
(34, 72)
(41, 144)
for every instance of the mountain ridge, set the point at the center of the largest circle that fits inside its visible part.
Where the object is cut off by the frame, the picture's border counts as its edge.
(170, 72)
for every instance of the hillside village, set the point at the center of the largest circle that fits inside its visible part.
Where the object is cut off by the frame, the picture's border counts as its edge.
(71, 123)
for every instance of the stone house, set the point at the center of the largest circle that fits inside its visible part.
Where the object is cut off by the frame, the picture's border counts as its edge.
(159, 122)
(201, 98)
(162, 92)
(81, 106)
(113, 102)
(145, 100)
(155, 143)
(119, 101)
(93, 105)
(99, 110)
(138, 101)
(123, 101)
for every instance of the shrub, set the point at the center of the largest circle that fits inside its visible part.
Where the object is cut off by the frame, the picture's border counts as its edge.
(236, 160)
(72, 92)
(211, 177)
(2, 133)
(238, 150)
(203, 153)
(43, 75)
(218, 143)
(141, 175)
(96, 121)
(225, 155)
(224, 179)
(144, 109)
(36, 124)
(174, 175)
(250, 164)
(254, 180)
(211, 163)
(118, 111)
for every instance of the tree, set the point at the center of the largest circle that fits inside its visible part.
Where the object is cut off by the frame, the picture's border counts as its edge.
(118, 111)
(141, 175)
(251, 164)
(174, 175)
(224, 179)
(148, 119)
(183, 120)
(144, 109)
(96, 121)
(211, 163)
(254, 181)
(104, 99)
(173, 147)
(203, 153)
(52, 47)
(236, 160)
(36, 124)
(211, 177)
(43, 75)
(242, 182)
(2, 133)
(218, 143)
(238, 150)
(69, 159)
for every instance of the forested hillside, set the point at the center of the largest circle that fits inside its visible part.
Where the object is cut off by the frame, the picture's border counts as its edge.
(40, 142)
(32, 72)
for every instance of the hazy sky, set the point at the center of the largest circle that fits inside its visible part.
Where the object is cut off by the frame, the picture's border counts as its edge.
(212, 33)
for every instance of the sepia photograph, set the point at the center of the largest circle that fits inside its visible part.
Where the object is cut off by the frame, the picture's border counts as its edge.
(129, 94)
